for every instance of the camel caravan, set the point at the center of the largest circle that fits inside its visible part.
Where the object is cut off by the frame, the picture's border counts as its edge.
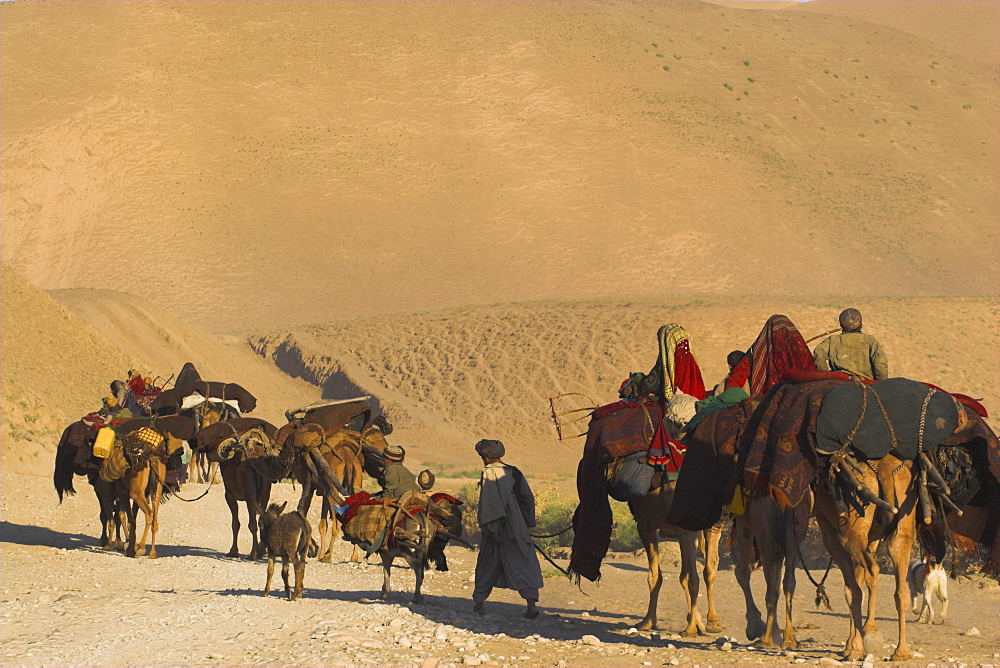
(146, 441)
(789, 435)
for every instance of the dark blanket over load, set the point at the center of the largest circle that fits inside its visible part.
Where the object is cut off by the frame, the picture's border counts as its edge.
(178, 426)
(776, 449)
(706, 480)
(336, 417)
(904, 401)
(211, 389)
(211, 436)
(616, 430)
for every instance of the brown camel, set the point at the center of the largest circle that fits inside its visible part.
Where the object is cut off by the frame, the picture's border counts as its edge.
(616, 430)
(852, 538)
(200, 468)
(330, 448)
(249, 462)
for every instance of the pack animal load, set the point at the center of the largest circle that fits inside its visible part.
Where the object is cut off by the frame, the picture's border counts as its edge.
(252, 444)
(132, 450)
(373, 523)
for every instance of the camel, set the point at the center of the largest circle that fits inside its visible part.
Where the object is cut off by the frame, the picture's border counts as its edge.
(249, 463)
(330, 449)
(776, 533)
(650, 514)
(852, 538)
(615, 425)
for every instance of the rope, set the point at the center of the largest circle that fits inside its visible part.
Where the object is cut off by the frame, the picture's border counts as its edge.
(821, 596)
(175, 494)
(549, 559)
(553, 535)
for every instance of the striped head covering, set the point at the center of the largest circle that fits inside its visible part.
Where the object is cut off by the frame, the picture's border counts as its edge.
(678, 366)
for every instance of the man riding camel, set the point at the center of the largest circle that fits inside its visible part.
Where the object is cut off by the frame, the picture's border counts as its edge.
(852, 351)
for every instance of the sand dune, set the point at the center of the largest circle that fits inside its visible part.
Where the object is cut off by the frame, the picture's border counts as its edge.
(61, 352)
(448, 378)
(250, 165)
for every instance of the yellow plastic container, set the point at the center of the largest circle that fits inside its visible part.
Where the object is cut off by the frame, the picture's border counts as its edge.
(738, 505)
(104, 443)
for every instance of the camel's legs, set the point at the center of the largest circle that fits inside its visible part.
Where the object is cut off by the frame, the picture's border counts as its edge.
(250, 493)
(711, 540)
(743, 542)
(137, 488)
(161, 473)
(690, 583)
(853, 647)
(418, 571)
(234, 511)
(326, 531)
(125, 501)
(650, 541)
(789, 641)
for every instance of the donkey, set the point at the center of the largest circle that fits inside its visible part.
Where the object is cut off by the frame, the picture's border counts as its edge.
(287, 536)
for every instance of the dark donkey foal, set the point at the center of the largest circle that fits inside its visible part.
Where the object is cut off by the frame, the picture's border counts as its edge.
(286, 536)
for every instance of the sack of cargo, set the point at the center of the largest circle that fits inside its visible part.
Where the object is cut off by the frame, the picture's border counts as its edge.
(114, 465)
(629, 478)
(105, 442)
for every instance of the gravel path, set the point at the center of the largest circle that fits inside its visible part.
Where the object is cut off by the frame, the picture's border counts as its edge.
(66, 602)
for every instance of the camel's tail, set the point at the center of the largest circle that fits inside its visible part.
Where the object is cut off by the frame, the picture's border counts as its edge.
(62, 477)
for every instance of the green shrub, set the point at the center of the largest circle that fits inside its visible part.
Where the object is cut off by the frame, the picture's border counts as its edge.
(624, 532)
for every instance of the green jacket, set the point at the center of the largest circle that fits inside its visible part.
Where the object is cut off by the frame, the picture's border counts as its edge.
(397, 481)
(855, 353)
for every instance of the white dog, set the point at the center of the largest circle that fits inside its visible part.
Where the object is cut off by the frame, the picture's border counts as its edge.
(927, 580)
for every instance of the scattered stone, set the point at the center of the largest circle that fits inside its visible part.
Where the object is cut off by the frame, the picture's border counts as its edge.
(972, 632)
(343, 638)
(726, 646)
(591, 640)
(827, 661)
(215, 656)
(70, 597)
(655, 636)
(675, 662)
(670, 645)
(405, 642)
(396, 623)
(440, 633)
(471, 660)
(789, 652)
(800, 660)
(918, 655)
(869, 661)
(632, 631)
(429, 662)
(585, 614)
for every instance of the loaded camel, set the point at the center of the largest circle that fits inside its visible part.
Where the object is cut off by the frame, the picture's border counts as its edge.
(250, 463)
(330, 448)
(783, 485)
(610, 427)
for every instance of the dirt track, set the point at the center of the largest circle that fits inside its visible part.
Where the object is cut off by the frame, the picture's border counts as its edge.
(65, 601)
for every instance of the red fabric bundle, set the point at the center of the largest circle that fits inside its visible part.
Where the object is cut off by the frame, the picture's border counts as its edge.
(687, 373)
(778, 350)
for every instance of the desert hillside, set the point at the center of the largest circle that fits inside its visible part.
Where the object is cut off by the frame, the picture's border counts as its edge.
(61, 351)
(449, 378)
(252, 165)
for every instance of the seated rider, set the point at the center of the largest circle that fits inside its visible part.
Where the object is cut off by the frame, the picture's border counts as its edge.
(396, 479)
(732, 359)
(777, 350)
(852, 351)
(675, 370)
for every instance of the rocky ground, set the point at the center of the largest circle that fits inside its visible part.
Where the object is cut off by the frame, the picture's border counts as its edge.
(66, 602)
